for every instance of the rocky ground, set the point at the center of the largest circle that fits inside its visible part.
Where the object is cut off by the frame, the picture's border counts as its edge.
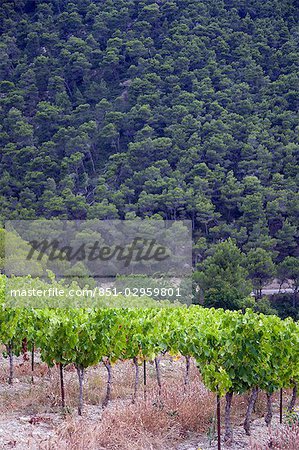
(31, 416)
(35, 432)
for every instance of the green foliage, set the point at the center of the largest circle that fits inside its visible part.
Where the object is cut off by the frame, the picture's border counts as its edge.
(234, 351)
(261, 268)
(181, 109)
(265, 306)
(288, 271)
(223, 277)
(226, 297)
(178, 110)
(284, 306)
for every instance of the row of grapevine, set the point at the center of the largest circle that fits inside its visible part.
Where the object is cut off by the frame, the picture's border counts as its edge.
(235, 352)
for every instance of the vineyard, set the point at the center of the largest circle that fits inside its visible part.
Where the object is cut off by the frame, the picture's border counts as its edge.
(235, 352)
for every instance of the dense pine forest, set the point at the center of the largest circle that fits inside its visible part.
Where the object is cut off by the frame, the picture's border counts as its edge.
(149, 109)
(170, 109)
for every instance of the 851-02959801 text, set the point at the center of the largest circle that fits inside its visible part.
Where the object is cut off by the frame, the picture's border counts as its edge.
(165, 292)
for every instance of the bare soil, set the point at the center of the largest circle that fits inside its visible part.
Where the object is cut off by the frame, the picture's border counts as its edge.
(31, 416)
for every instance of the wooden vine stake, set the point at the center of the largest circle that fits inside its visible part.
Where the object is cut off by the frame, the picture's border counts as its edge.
(144, 379)
(107, 398)
(62, 385)
(135, 361)
(218, 422)
(32, 364)
(9, 350)
(280, 406)
(158, 374)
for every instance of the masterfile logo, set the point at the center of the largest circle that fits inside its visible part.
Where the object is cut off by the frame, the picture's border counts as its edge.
(101, 248)
(142, 257)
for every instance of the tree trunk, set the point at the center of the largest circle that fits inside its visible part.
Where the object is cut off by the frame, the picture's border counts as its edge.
(136, 384)
(206, 228)
(292, 403)
(187, 373)
(218, 400)
(260, 291)
(280, 286)
(62, 385)
(254, 405)
(109, 382)
(228, 437)
(295, 298)
(32, 364)
(144, 379)
(80, 372)
(268, 417)
(250, 408)
(25, 350)
(280, 404)
(92, 161)
(158, 373)
(11, 366)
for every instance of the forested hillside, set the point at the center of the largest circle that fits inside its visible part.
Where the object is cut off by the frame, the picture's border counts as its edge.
(182, 109)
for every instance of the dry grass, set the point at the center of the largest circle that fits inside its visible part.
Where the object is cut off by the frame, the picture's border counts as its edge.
(159, 423)
(283, 438)
(22, 370)
(154, 424)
